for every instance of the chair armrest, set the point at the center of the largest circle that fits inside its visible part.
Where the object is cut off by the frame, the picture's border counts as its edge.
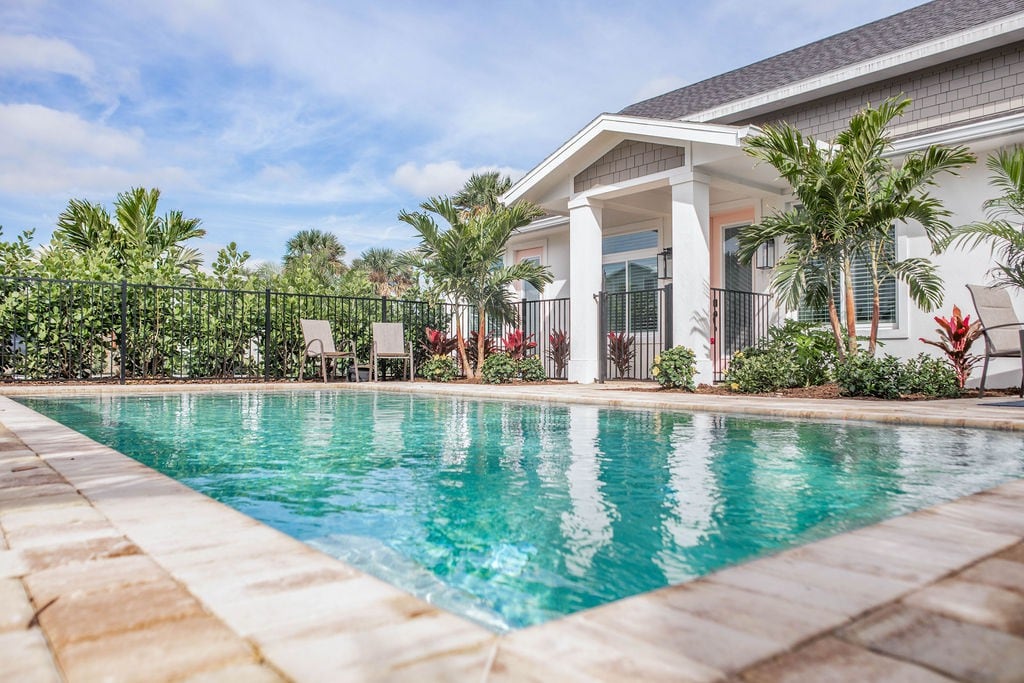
(310, 345)
(996, 327)
(351, 344)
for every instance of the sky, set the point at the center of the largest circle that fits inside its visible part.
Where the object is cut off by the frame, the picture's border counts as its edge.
(263, 117)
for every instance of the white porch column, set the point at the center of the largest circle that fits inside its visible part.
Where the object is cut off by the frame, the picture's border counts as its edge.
(584, 283)
(691, 270)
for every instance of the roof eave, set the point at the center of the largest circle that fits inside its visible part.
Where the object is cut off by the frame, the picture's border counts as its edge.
(634, 127)
(1003, 31)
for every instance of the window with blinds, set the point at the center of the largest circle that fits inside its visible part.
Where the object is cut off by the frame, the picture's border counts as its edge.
(862, 294)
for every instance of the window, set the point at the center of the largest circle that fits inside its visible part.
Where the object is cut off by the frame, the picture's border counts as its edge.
(630, 274)
(862, 294)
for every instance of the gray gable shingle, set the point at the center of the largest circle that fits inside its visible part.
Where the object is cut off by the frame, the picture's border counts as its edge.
(916, 25)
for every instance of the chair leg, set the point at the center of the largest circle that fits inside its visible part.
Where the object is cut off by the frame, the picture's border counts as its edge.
(323, 367)
(984, 374)
(302, 364)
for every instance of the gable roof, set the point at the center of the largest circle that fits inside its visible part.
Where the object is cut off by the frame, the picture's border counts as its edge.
(917, 25)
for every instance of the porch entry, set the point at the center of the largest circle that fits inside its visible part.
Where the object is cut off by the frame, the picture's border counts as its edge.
(634, 311)
(739, 315)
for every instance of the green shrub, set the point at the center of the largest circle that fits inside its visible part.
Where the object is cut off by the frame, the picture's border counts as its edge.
(759, 373)
(890, 378)
(531, 370)
(929, 376)
(675, 368)
(794, 354)
(864, 375)
(439, 369)
(498, 368)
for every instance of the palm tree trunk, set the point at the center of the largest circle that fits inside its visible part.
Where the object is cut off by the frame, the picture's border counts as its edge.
(876, 313)
(460, 342)
(851, 308)
(481, 341)
(837, 330)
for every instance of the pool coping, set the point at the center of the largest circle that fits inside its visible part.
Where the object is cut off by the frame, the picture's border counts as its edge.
(280, 595)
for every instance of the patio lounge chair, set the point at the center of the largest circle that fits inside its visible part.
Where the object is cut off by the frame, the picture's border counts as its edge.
(320, 342)
(1004, 332)
(389, 342)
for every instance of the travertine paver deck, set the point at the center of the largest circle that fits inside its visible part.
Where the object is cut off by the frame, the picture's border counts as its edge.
(109, 570)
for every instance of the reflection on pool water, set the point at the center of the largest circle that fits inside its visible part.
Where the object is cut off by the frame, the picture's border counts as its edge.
(512, 514)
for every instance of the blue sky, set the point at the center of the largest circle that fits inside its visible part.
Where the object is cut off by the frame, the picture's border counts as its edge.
(264, 117)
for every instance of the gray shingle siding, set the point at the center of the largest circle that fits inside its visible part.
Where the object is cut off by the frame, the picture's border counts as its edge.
(627, 160)
(916, 25)
(973, 88)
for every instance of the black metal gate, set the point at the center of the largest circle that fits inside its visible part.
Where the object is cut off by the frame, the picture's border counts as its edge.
(634, 328)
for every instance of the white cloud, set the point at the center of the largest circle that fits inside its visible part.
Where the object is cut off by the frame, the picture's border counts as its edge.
(32, 129)
(446, 177)
(49, 55)
(291, 183)
(47, 151)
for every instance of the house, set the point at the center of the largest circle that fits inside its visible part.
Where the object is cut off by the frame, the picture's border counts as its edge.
(655, 194)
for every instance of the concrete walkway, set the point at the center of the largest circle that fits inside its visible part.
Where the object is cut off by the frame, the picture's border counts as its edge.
(111, 571)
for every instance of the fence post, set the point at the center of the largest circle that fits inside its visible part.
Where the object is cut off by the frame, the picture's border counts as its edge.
(383, 309)
(124, 329)
(602, 341)
(668, 316)
(266, 335)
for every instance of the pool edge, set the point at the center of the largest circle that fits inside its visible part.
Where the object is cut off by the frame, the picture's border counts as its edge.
(601, 643)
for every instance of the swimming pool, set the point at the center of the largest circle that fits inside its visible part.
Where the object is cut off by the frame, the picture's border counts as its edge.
(512, 514)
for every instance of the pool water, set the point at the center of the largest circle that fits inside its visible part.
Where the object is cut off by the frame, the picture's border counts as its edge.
(514, 513)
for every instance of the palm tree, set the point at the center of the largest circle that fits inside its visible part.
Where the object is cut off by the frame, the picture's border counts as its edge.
(319, 248)
(137, 237)
(482, 192)
(389, 271)
(464, 262)
(1004, 231)
(850, 196)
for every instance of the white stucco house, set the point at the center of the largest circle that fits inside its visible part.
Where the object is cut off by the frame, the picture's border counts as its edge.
(654, 195)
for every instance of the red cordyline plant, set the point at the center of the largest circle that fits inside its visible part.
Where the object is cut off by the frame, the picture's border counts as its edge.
(517, 344)
(437, 342)
(558, 350)
(621, 352)
(955, 338)
(472, 346)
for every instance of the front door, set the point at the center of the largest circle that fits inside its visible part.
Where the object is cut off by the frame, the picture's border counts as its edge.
(735, 313)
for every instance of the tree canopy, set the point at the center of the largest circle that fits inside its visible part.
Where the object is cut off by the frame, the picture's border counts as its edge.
(849, 194)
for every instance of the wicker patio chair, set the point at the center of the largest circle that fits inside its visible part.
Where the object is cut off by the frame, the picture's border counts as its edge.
(389, 342)
(320, 343)
(1004, 331)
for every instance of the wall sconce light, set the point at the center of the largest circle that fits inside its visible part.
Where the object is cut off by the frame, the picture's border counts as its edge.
(665, 264)
(766, 255)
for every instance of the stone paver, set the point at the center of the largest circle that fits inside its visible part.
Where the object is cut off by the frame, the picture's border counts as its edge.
(25, 658)
(90, 615)
(209, 595)
(15, 609)
(104, 574)
(998, 572)
(975, 603)
(958, 649)
(161, 652)
(833, 661)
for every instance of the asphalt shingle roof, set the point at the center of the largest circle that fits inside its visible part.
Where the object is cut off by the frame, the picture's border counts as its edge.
(916, 25)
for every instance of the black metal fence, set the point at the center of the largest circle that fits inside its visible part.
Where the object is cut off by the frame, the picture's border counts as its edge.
(79, 330)
(635, 327)
(738, 320)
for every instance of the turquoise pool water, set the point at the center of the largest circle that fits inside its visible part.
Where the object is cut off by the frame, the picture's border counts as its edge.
(513, 514)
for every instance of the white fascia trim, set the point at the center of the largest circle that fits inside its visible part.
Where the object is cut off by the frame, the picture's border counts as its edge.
(544, 224)
(985, 36)
(629, 127)
(958, 135)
